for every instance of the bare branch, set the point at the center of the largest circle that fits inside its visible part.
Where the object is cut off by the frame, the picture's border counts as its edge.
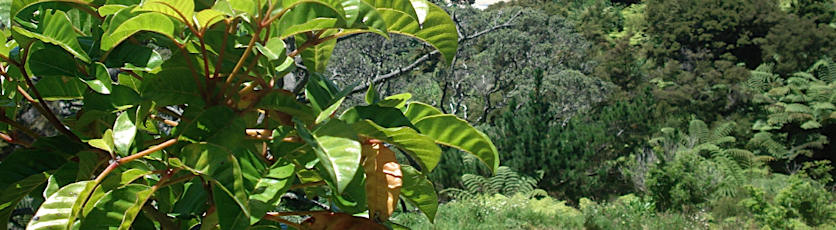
(422, 59)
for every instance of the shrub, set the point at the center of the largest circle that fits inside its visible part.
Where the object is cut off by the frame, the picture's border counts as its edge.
(498, 212)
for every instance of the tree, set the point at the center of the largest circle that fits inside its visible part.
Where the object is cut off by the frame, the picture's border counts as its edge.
(183, 121)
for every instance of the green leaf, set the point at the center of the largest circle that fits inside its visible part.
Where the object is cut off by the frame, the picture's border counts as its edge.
(400, 6)
(221, 166)
(358, 11)
(218, 125)
(413, 143)
(55, 28)
(286, 103)
(61, 88)
(419, 191)
(182, 10)
(46, 154)
(273, 50)
(125, 23)
(321, 91)
(328, 112)
(451, 131)
(48, 60)
(134, 57)
(56, 211)
(230, 214)
(102, 82)
(124, 132)
(110, 9)
(268, 191)
(811, 124)
(173, 85)
(120, 98)
(304, 16)
(338, 152)
(316, 57)
(372, 97)
(118, 208)
(208, 17)
(384, 116)
(105, 143)
(417, 110)
(433, 26)
(396, 101)
(14, 193)
(245, 6)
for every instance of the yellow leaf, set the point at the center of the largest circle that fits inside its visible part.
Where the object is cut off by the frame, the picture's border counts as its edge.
(383, 180)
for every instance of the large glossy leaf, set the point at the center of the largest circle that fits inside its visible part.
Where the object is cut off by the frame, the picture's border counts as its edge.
(55, 28)
(338, 152)
(433, 26)
(384, 116)
(118, 208)
(274, 50)
(419, 191)
(55, 212)
(221, 166)
(452, 131)
(46, 154)
(174, 85)
(230, 214)
(417, 110)
(134, 57)
(182, 10)
(321, 91)
(121, 98)
(48, 60)
(413, 143)
(208, 17)
(61, 88)
(304, 16)
(359, 14)
(124, 132)
(100, 80)
(383, 181)
(316, 57)
(269, 189)
(125, 23)
(402, 6)
(14, 193)
(217, 125)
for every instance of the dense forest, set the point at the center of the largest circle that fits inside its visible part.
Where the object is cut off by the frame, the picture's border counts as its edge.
(606, 114)
(701, 113)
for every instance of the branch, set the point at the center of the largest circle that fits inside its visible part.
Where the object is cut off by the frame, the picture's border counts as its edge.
(41, 106)
(165, 221)
(422, 59)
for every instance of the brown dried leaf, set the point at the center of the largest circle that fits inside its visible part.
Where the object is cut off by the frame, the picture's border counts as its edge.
(383, 180)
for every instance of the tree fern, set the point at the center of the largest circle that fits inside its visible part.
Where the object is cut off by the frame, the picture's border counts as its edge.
(804, 101)
(505, 181)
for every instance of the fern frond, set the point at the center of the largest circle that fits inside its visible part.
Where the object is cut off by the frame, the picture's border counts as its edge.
(698, 130)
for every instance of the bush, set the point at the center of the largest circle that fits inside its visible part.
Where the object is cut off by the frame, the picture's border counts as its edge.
(498, 212)
(633, 212)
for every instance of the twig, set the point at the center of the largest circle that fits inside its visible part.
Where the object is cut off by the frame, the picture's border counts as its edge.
(16, 125)
(41, 106)
(130, 158)
(166, 121)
